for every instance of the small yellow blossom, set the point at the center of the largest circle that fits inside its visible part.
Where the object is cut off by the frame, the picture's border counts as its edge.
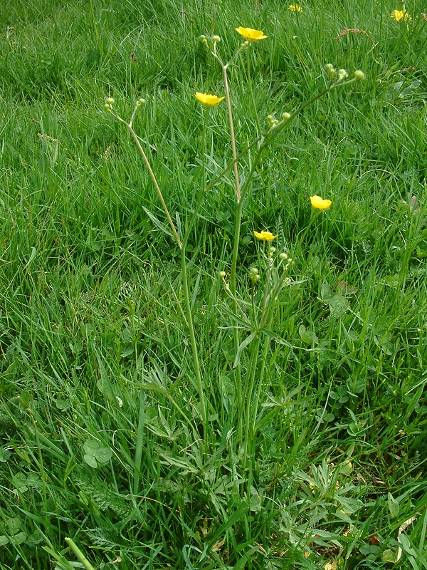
(209, 100)
(400, 15)
(294, 8)
(264, 236)
(319, 203)
(250, 34)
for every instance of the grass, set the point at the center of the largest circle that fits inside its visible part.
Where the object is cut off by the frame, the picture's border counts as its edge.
(102, 435)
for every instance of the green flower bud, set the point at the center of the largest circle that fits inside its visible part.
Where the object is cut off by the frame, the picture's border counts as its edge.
(342, 74)
(330, 71)
(359, 75)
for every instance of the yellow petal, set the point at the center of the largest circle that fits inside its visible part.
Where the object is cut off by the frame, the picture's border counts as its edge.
(264, 236)
(319, 203)
(400, 15)
(207, 99)
(294, 8)
(250, 34)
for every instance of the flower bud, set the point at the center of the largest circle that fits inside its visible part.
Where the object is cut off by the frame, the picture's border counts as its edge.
(216, 38)
(140, 101)
(272, 121)
(330, 71)
(359, 75)
(283, 255)
(222, 274)
(286, 116)
(109, 100)
(342, 74)
(254, 270)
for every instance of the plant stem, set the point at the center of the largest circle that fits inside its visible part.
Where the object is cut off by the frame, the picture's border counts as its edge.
(79, 554)
(193, 342)
(139, 443)
(232, 134)
(184, 274)
(155, 184)
(236, 240)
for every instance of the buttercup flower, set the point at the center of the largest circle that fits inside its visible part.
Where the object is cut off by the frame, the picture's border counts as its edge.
(250, 34)
(264, 236)
(294, 8)
(319, 203)
(400, 15)
(209, 100)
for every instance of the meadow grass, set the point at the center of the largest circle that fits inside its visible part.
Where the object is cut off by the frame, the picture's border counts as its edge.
(103, 438)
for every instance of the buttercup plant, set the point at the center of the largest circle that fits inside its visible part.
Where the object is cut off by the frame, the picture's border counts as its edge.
(267, 283)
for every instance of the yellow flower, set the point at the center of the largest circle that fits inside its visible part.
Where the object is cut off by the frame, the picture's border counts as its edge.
(250, 34)
(264, 236)
(319, 203)
(209, 100)
(294, 8)
(400, 15)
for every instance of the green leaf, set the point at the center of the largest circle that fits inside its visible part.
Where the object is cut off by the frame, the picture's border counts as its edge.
(246, 342)
(4, 455)
(19, 538)
(95, 453)
(338, 304)
(308, 336)
(393, 506)
(19, 481)
(3, 540)
(390, 555)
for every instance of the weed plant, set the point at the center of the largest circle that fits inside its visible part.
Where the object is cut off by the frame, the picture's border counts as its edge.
(177, 391)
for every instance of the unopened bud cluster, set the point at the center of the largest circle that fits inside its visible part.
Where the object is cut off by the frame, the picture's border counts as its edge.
(286, 259)
(272, 122)
(206, 39)
(342, 74)
(254, 275)
(109, 102)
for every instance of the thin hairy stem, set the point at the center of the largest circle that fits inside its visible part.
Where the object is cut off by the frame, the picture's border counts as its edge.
(156, 185)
